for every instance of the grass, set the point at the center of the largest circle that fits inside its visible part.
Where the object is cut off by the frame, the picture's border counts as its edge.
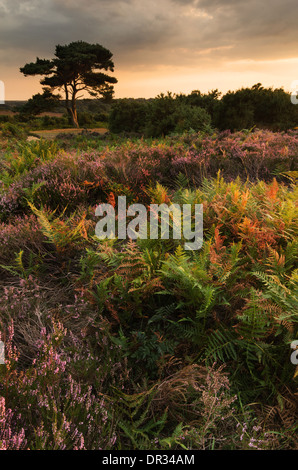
(53, 133)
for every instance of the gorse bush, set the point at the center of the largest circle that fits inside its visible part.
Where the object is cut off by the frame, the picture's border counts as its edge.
(246, 108)
(128, 116)
(256, 106)
(162, 116)
(167, 115)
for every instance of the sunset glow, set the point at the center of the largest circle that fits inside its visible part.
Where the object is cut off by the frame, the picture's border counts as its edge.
(168, 45)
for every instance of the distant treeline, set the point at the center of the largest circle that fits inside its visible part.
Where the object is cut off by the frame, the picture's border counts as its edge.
(39, 113)
(263, 108)
(242, 109)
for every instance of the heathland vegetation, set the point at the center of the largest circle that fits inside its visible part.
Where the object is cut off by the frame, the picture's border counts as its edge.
(246, 108)
(139, 344)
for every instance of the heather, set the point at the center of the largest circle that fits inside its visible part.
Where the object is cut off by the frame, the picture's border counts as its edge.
(121, 344)
(71, 177)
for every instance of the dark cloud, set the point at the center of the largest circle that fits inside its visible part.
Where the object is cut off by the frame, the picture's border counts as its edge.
(153, 33)
(128, 25)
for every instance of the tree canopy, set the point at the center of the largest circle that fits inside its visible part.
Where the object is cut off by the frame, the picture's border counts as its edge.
(39, 103)
(76, 67)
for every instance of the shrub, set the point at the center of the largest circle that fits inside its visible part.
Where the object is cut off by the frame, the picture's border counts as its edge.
(17, 131)
(128, 116)
(168, 115)
(161, 116)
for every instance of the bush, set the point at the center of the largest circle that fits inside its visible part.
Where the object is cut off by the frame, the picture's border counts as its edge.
(16, 131)
(256, 106)
(85, 118)
(162, 116)
(168, 115)
(128, 116)
(192, 119)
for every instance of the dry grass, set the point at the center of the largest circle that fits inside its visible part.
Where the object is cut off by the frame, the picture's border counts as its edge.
(6, 112)
(52, 134)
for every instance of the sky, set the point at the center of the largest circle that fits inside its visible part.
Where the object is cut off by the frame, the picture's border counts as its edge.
(157, 45)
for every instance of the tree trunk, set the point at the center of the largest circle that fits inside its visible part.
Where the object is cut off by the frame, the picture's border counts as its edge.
(74, 118)
(74, 114)
(71, 108)
(69, 115)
